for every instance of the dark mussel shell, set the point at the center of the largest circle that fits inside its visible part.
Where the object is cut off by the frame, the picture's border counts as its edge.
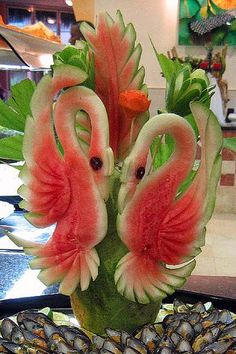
(58, 344)
(199, 307)
(2, 349)
(130, 350)
(82, 343)
(70, 333)
(33, 327)
(150, 337)
(164, 350)
(184, 347)
(114, 334)
(7, 326)
(38, 317)
(112, 346)
(13, 347)
(17, 336)
(137, 344)
(98, 341)
(34, 339)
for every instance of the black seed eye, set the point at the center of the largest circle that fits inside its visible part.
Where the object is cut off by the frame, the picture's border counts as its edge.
(96, 163)
(140, 172)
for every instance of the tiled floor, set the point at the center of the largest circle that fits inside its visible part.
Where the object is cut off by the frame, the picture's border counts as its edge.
(218, 256)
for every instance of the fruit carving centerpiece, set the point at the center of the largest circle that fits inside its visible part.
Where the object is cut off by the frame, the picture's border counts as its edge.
(127, 193)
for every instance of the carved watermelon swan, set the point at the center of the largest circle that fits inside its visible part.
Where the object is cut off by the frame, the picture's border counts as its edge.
(126, 234)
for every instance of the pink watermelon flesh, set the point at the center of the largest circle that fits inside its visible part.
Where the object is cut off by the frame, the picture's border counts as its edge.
(148, 281)
(65, 189)
(156, 226)
(116, 70)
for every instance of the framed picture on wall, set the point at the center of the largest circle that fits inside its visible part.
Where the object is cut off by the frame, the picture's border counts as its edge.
(207, 21)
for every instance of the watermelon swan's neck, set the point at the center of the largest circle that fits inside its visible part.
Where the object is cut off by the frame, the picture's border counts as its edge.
(48, 87)
(148, 220)
(100, 154)
(178, 166)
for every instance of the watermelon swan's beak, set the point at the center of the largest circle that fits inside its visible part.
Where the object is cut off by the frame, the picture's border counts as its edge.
(128, 184)
(102, 180)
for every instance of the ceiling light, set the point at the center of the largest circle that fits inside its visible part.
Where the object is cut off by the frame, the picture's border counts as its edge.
(68, 2)
(51, 20)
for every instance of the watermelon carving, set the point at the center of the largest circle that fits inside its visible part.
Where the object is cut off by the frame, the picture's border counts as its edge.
(133, 229)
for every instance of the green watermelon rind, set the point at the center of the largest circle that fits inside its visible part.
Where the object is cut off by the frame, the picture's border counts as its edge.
(170, 280)
(214, 158)
(214, 163)
(21, 242)
(61, 73)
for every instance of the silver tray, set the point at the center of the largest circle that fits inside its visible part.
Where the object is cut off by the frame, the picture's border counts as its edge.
(61, 303)
(29, 51)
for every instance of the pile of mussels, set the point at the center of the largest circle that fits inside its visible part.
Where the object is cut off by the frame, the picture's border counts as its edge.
(189, 329)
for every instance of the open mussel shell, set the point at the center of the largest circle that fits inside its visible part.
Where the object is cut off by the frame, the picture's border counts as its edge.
(112, 346)
(33, 327)
(150, 337)
(184, 346)
(129, 350)
(137, 344)
(114, 334)
(98, 342)
(82, 343)
(62, 347)
(164, 350)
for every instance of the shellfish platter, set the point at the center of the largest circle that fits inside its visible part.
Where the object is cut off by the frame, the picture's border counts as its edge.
(181, 327)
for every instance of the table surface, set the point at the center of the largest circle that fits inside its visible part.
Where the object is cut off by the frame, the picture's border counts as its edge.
(18, 280)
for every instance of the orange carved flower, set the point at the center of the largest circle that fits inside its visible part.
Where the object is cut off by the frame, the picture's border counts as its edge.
(134, 102)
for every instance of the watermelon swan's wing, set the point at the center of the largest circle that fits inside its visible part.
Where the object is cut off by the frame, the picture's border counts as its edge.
(66, 188)
(116, 60)
(39, 135)
(158, 227)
